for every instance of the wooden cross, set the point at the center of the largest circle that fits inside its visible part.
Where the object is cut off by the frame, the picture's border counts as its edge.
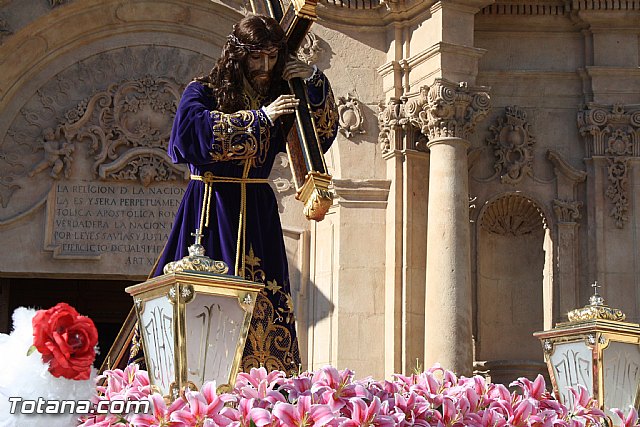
(303, 147)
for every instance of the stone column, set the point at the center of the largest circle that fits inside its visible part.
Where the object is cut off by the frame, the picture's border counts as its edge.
(447, 113)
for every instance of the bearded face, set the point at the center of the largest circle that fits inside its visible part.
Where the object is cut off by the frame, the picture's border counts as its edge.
(258, 68)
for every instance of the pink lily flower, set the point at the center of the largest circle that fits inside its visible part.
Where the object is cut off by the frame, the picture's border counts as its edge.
(363, 415)
(161, 416)
(535, 389)
(630, 420)
(198, 411)
(303, 414)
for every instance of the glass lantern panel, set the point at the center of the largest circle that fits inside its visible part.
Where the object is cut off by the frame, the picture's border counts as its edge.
(157, 331)
(213, 325)
(571, 363)
(621, 364)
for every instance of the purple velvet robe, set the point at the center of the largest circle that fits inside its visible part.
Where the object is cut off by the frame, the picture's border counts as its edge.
(211, 141)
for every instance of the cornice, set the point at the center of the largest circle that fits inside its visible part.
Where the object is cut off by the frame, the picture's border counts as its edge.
(562, 166)
(443, 47)
(374, 15)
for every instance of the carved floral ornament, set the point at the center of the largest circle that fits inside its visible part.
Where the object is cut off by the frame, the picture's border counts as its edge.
(613, 132)
(512, 142)
(444, 109)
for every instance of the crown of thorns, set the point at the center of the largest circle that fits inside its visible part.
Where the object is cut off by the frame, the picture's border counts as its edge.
(233, 40)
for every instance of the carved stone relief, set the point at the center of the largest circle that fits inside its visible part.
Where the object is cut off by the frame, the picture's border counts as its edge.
(56, 3)
(512, 215)
(121, 128)
(350, 116)
(5, 30)
(567, 211)
(127, 128)
(512, 142)
(310, 49)
(613, 131)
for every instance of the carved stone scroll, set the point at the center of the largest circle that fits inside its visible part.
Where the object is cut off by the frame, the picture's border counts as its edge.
(310, 50)
(512, 142)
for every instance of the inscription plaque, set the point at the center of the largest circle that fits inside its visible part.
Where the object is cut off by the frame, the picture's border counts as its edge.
(125, 223)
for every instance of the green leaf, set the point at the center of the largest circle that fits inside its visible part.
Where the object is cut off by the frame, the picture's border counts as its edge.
(31, 350)
(253, 424)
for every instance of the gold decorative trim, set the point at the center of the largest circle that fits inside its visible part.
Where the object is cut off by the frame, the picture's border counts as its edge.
(306, 8)
(315, 195)
(196, 261)
(596, 313)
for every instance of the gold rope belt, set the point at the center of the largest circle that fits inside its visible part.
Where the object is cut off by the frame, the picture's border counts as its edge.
(208, 179)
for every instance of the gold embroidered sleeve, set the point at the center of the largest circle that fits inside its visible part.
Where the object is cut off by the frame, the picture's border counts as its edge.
(240, 136)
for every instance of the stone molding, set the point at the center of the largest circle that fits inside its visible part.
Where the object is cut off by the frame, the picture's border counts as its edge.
(557, 7)
(562, 167)
(613, 132)
(512, 141)
(362, 193)
(516, 7)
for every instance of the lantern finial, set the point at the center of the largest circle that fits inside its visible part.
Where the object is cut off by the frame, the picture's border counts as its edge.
(596, 310)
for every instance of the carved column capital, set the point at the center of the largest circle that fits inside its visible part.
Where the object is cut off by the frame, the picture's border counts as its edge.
(567, 211)
(447, 109)
(613, 131)
(610, 130)
(390, 118)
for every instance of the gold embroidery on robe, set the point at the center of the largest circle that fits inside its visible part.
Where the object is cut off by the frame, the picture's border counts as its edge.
(240, 136)
(270, 342)
(325, 112)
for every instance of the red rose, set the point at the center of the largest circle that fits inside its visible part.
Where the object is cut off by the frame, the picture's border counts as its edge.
(66, 341)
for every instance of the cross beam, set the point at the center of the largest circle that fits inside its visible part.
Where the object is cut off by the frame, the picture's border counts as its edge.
(303, 147)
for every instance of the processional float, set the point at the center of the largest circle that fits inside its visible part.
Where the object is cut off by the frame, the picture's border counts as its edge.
(195, 318)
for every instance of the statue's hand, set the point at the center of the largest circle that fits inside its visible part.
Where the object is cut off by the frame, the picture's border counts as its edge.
(296, 68)
(284, 104)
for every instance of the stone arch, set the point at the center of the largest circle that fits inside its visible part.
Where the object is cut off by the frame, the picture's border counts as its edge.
(59, 61)
(513, 277)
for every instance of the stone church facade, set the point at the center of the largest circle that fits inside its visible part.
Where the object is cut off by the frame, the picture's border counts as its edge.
(485, 173)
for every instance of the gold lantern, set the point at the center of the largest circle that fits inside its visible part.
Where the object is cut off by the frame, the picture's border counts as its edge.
(193, 323)
(598, 349)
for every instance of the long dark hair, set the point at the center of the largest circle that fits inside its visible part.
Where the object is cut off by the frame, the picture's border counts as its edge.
(252, 33)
